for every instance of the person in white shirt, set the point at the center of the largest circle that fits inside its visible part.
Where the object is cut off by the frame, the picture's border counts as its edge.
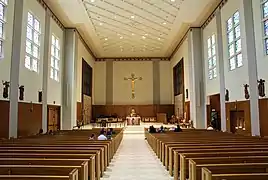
(102, 136)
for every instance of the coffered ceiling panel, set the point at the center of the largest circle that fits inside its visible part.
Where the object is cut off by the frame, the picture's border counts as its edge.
(131, 28)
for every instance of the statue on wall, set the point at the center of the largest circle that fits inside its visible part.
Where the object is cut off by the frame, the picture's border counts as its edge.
(261, 87)
(6, 85)
(227, 95)
(21, 96)
(246, 91)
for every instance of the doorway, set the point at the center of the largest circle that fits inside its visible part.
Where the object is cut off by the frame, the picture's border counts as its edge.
(53, 115)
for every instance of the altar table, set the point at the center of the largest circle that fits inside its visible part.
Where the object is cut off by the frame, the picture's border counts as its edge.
(133, 120)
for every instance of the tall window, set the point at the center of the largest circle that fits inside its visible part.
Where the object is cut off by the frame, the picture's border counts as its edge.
(3, 9)
(212, 69)
(234, 42)
(264, 6)
(32, 56)
(55, 59)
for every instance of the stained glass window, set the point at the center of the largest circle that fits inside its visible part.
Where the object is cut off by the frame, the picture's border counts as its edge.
(264, 6)
(33, 42)
(212, 60)
(55, 58)
(234, 41)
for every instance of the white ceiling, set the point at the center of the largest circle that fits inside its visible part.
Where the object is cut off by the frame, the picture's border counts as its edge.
(132, 28)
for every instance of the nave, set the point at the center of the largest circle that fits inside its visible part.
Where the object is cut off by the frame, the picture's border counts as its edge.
(135, 160)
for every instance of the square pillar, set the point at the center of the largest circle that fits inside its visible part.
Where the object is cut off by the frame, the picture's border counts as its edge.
(221, 69)
(197, 102)
(45, 70)
(15, 68)
(249, 40)
(69, 80)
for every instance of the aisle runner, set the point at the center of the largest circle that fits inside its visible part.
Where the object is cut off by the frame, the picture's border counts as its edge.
(135, 160)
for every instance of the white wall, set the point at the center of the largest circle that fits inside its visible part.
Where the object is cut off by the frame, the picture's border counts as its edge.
(212, 85)
(183, 52)
(165, 83)
(235, 79)
(32, 81)
(143, 88)
(54, 88)
(262, 58)
(82, 52)
(100, 83)
(5, 62)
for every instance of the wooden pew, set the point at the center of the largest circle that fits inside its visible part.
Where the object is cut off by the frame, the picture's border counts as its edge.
(245, 172)
(196, 164)
(43, 170)
(53, 155)
(65, 145)
(177, 161)
(86, 171)
(169, 146)
(99, 159)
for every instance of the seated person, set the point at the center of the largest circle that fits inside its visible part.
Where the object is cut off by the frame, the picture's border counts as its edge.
(102, 136)
(152, 129)
(178, 129)
(109, 133)
(41, 131)
(92, 137)
(161, 129)
(102, 131)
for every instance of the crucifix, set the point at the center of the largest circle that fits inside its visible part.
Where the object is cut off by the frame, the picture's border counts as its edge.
(133, 79)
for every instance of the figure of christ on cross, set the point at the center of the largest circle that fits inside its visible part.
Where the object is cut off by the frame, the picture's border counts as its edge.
(133, 79)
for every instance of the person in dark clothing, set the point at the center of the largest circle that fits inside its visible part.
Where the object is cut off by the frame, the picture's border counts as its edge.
(102, 131)
(152, 129)
(109, 134)
(178, 129)
(161, 129)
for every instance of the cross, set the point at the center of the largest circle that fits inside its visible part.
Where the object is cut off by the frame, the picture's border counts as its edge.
(133, 79)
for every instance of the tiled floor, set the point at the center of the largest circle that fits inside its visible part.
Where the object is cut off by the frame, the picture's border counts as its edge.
(135, 160)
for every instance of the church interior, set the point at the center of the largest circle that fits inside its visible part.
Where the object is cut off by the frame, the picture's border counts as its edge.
(133, 89)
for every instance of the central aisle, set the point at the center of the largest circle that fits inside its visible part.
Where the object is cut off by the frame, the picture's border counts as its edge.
(135, 159)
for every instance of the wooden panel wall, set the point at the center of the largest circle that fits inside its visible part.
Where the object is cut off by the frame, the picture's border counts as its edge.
(187, 110)
(4, 119)
(79, 113)
(29, 118)
(239, 106)
(124, 110)
(263, 106)
(53, 117)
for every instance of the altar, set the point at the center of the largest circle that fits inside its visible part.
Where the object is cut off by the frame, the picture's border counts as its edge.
(133, 118)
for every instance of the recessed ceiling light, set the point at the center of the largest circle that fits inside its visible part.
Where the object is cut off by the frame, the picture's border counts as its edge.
(159, 38)
(143, 37)
(164, 23)
(92, 0)
(132, 17)
(105, 39)
(101, 24)
(172, 0)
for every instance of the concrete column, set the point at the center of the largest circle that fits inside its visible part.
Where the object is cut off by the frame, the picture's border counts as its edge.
(46, 58)
(109, 81)
(249, 40)
(15, 67)
(156, 81)
(69, 80)
(196, 78)
(221, 68)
